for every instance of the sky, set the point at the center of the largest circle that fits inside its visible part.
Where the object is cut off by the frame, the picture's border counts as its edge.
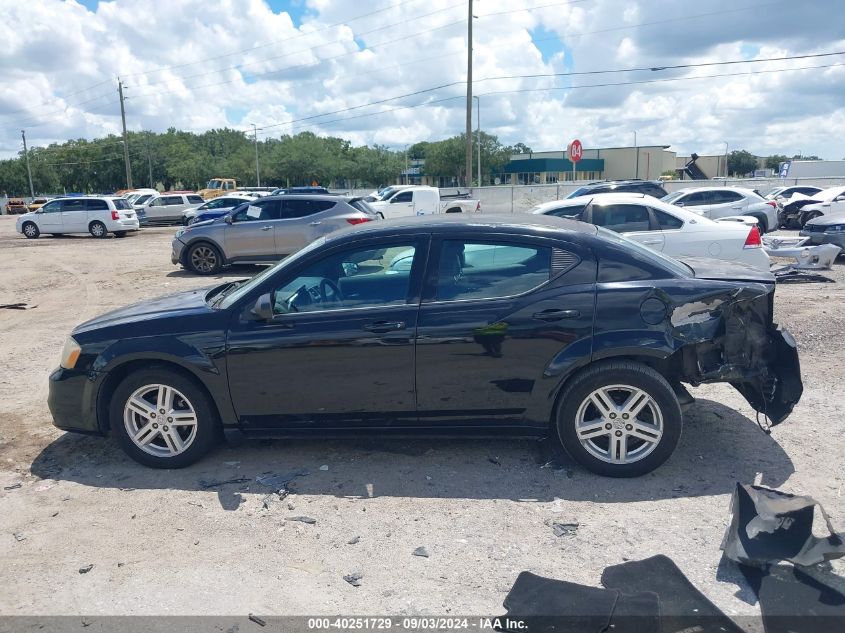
(545, 71)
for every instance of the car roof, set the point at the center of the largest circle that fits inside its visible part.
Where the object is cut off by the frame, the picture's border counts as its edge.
(304, 196)
(715, 188)
(518, 223)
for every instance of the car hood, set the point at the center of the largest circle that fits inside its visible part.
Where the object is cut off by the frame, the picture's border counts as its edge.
(828, 220)
(175, 305)
(722, 270)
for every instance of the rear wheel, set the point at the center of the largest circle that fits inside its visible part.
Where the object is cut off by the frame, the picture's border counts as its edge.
(762, 224)
(163, 419)
(204, 259)
(97, 229)
(30, 230)
(619, 419)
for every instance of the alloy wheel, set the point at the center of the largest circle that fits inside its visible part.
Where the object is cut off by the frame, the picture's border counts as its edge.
(203, 259)
(619, 424)
(29, 230)
(160, 420)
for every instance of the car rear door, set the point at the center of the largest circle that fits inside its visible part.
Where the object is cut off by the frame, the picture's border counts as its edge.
(251, 235)
(632, 220)
(301, 221)
(501, 316)
(725, 202)
(695, 201)
(75, 215)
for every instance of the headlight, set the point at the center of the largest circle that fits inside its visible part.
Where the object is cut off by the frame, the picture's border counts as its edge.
(180, 233)
(70, 353)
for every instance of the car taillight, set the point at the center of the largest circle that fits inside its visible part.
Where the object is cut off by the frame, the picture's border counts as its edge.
(753, 240)
(115, 215)
(357, 220)
(772, 204)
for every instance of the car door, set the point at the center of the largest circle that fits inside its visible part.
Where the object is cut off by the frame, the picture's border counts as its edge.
(338, 352)
(500, 317)
(837, 205)
(173, 207)
(301, 221)
(724, 203)
(695, 201)
(251, 235)
(75, 215)
(400, 205)
(632, 220)
(49, 217)
(156, 209)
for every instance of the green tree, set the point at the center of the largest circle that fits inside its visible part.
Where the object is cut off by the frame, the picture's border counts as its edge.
(741, 162)
(774, 161)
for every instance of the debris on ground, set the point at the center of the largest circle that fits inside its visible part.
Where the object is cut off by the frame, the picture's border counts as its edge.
(86, 569)
(564, 529)
(216, 484)
(257, 620)
(18, 536)
(791, 276)
(354, 578)
(279, 480)
(805, 256)
(421, 551)
(324, 467)
(494, 460)
(17, 306)
(303, 519)
(12, 487)
(231, 463)
(353, 540)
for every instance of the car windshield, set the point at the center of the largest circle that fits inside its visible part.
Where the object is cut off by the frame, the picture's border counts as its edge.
(673, 265)
(670, 198)
(245, 288)
(580, 191)
(214, 184)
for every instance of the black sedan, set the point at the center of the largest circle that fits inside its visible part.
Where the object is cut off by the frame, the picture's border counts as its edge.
(522, 326)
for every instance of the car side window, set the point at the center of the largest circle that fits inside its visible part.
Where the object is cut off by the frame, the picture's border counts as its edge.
(724, 197)
(621, 218)
(73, 205)
(359, 277)
(653, 190)
(195, 200)
(52, 207)
(157, 202)
(487, 270)
(301, 208)
(695, 198)
(265, 210)
(172, 201)
(402, 196)
(667, 221)
(97, 205)
(573, 212)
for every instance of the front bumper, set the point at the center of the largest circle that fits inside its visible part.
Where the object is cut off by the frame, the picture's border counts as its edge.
(176, 252)
(72, 398)
(837, 238)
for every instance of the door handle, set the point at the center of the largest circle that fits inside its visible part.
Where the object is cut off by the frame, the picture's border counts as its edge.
(737, 208)
(380, 327)
(266, 228)
(556, 315)
(652, 242)
(315, 223)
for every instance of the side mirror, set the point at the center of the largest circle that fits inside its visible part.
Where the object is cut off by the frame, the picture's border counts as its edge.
(679, 204)
(263, 308)
(228, 218)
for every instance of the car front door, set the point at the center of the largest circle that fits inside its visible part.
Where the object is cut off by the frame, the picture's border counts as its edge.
(501, 317)
(696, 201)
(250, 236)
(724, 203)
(632, 220)
(156, 209)
(338, 352)
(400, 205)
(49, 217)
(74, 215)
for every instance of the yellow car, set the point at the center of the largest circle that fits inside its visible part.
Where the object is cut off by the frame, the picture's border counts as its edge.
(16, 206)
(37, 203)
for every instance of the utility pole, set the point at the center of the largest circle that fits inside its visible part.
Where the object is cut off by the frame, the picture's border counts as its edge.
(125, 137)
(28, 171)
(637, 147)
(478, 134)
(149, 159)
(255, 137)
(468, 170)
(407, 174)
(726, 160)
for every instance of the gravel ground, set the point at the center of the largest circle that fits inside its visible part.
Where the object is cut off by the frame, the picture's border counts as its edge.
(161, 543)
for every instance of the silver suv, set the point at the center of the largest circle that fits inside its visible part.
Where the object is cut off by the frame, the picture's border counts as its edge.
(167, 207)
(265, 231)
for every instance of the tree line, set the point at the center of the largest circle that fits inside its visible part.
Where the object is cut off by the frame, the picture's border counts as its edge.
(186, 160)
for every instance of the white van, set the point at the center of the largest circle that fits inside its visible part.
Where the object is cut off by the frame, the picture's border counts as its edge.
(97, 215)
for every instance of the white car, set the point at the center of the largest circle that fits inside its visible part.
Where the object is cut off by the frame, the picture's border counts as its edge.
(673, 231)
(97, 215)
(722, 202)
(221, 203)
(826, 202)
(140, 196)
(786, 193)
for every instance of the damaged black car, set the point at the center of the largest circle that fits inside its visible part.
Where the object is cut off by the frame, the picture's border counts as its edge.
(436, 325)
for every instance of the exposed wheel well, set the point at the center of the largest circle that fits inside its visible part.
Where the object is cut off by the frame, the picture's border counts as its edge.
(763, 220)
(454, 210)
(116, 376)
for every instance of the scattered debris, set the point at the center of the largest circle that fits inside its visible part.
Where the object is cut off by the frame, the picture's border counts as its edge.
(121, 564)
(494, 460)
(354, 579)
(231, 463)
(257, 620)
(44, 487)
(564, 529)
(421, 551)
(12, 487)
(791, 276)
(17, 306)
(290, 505)
(55, 514)
(195, 503)
(353, 540)
(216, 484)
(303, 519)
(279, 480)
(820, 257)
(18, 536)
(324, 467)
(86, 569)
(127, 489)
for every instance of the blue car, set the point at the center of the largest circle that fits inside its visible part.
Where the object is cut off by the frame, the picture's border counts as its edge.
(216, 208)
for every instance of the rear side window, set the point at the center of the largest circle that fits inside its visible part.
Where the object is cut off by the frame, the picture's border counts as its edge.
(402, 196)
(667, 221)
(724, 197)
(99, 205)
(120, 203)
(621, 218)
(301, 208)
(73, 205)
(172, 201)
(195, 200)
(568, 212)
(696, 198)
(486, 270)
(653, 190)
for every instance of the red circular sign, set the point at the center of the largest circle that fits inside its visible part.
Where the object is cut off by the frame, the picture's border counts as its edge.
(576, 152)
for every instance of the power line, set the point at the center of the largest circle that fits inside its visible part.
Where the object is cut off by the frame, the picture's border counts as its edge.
(70, 94)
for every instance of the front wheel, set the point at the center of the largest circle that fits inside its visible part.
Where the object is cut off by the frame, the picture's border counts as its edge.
(619, 419)
(30, 230)
(98, 229)
(204, 259)
(163, 419)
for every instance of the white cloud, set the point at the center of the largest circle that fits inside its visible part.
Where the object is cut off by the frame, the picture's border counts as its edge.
(181, 69)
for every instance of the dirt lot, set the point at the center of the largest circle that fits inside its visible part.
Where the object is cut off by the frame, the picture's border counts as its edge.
(161, 544)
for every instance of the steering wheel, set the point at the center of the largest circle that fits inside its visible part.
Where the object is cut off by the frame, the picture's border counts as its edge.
(335, 296)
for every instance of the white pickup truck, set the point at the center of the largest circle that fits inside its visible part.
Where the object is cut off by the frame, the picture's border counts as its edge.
(423, 201)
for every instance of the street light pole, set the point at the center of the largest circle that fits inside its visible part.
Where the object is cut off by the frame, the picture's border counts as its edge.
(637, 147)
(468, 165)
(125, 136)
(726, 160)
(255, 137)
(407, 175)
(28, 171)
(478, 134)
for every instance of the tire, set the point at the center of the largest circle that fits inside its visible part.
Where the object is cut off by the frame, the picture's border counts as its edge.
(120, 233)
(30, 230)
(204, 258)
(659, 419)
(98, 229)
(804, 218)
(762, 224)
(176, 447)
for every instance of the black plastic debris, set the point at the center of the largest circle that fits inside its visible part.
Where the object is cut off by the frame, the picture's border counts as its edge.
(303, 519)
(421, 551)
(86, 569)
(769, 526)
(354, 540)
(257, 620)
(216, 484)
(12, 487)
(17, 306)
(564, 529)
(354, 579)
(278, 481)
